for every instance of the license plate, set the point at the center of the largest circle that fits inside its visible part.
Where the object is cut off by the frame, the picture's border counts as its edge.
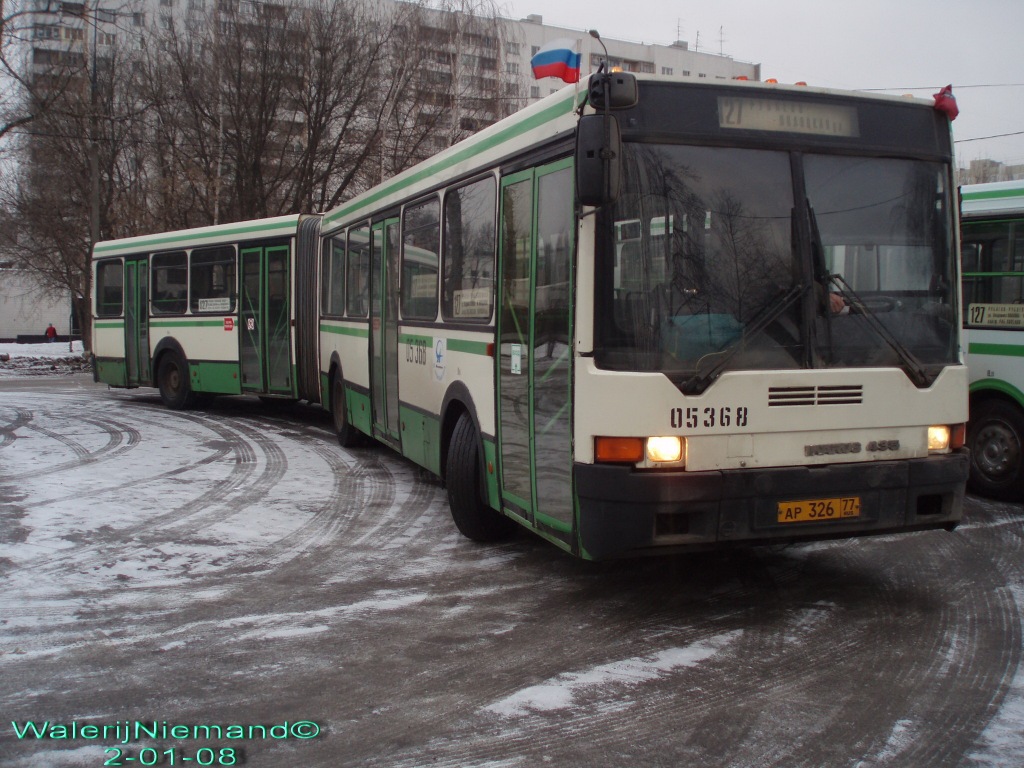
(817, 510)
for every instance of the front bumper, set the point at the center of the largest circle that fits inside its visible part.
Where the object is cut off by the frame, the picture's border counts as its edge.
(626, 511)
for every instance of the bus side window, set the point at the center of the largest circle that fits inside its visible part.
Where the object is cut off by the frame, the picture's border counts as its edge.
(991, 256)
(170, 283)
(109, 288)
(334, 285)
(469, 247)
(212, 275)
(338, 276)
(325, 277)
(357, 299)
(420, 248)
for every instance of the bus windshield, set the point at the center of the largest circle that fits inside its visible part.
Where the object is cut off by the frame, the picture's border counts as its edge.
(744, 259)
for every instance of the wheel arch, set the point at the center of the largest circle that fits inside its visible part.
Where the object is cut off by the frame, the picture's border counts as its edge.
(990, 390)
(457, 400)
(165, 345)
(334, 369)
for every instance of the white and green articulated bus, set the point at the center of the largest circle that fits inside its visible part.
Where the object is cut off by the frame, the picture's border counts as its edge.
(992, 232)
(648, 313)
(222, 310)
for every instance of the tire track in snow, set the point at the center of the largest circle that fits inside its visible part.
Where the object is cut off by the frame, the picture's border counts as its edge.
(22, 418)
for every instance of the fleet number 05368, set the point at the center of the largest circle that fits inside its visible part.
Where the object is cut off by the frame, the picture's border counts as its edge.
(694, 417)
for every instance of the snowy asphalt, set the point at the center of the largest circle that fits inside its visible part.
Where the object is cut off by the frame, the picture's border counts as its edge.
(230, 586)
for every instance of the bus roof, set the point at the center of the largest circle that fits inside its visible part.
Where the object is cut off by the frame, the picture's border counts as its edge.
(278, 226)
(545, 120)
(993, 197)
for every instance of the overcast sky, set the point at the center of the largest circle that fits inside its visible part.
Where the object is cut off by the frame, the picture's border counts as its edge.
(896, 45)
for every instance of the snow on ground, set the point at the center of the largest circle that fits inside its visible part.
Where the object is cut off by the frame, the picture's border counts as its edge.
(192, 455)
(54, 358)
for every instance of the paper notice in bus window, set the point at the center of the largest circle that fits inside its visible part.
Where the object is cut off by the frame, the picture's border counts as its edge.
(220, 304)
(784, 116)
(516, 360)
(473, 302)
(996, 315)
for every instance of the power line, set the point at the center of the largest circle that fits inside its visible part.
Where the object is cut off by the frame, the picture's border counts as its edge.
(955, 87)
(995, 136)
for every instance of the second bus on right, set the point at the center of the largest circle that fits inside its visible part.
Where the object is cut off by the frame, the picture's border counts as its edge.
(992, 228)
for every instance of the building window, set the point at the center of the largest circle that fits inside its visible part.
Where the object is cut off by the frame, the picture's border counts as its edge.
(534, 91)
(666, 70)
(512, 67)
(686, 73)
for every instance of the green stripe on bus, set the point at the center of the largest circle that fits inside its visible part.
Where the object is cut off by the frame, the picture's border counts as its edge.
(558, 525)
(994, 194)
(109, 324)
(148, 243)
(453, 345)
(111, 372)
(218, 323)
(1002, 350)
(556, 110)
(416, 339)
(993, 274)
(469, 347)
(222, 378)
(341, 330)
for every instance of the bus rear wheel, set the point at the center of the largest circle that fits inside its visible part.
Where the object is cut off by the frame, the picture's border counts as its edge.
(348, 436)
(996, 440)
(172, 379)
(464, 477)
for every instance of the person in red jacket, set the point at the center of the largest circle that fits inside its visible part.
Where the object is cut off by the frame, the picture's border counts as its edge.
(51, 333)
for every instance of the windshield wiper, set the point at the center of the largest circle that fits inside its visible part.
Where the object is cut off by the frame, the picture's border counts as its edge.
(912, 366)
(768, 314)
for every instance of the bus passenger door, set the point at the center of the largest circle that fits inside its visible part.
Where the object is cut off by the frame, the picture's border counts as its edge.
(384, 329)
(265, 319)
(136, 322)
(535, 340)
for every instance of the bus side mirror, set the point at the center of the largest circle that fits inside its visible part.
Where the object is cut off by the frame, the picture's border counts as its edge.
(598, 159)
(621, 89)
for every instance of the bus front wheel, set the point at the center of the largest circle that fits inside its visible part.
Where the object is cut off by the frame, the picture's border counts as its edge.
(464, 477)
(172, 379)
(348, 436)
(996, 440)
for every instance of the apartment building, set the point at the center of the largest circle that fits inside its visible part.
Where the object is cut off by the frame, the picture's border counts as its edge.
(675, 60)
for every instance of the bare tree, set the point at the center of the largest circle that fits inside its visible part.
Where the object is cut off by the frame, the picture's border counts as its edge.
(246, 111)
(78, 177)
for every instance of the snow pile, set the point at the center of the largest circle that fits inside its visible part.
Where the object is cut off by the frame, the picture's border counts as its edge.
(47, 359)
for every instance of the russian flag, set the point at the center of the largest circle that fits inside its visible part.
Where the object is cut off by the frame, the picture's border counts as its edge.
(557, 59)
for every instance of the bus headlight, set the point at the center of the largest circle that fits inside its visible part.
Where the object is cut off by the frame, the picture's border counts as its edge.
(644, 452)
(663, 450)
(938, 438)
